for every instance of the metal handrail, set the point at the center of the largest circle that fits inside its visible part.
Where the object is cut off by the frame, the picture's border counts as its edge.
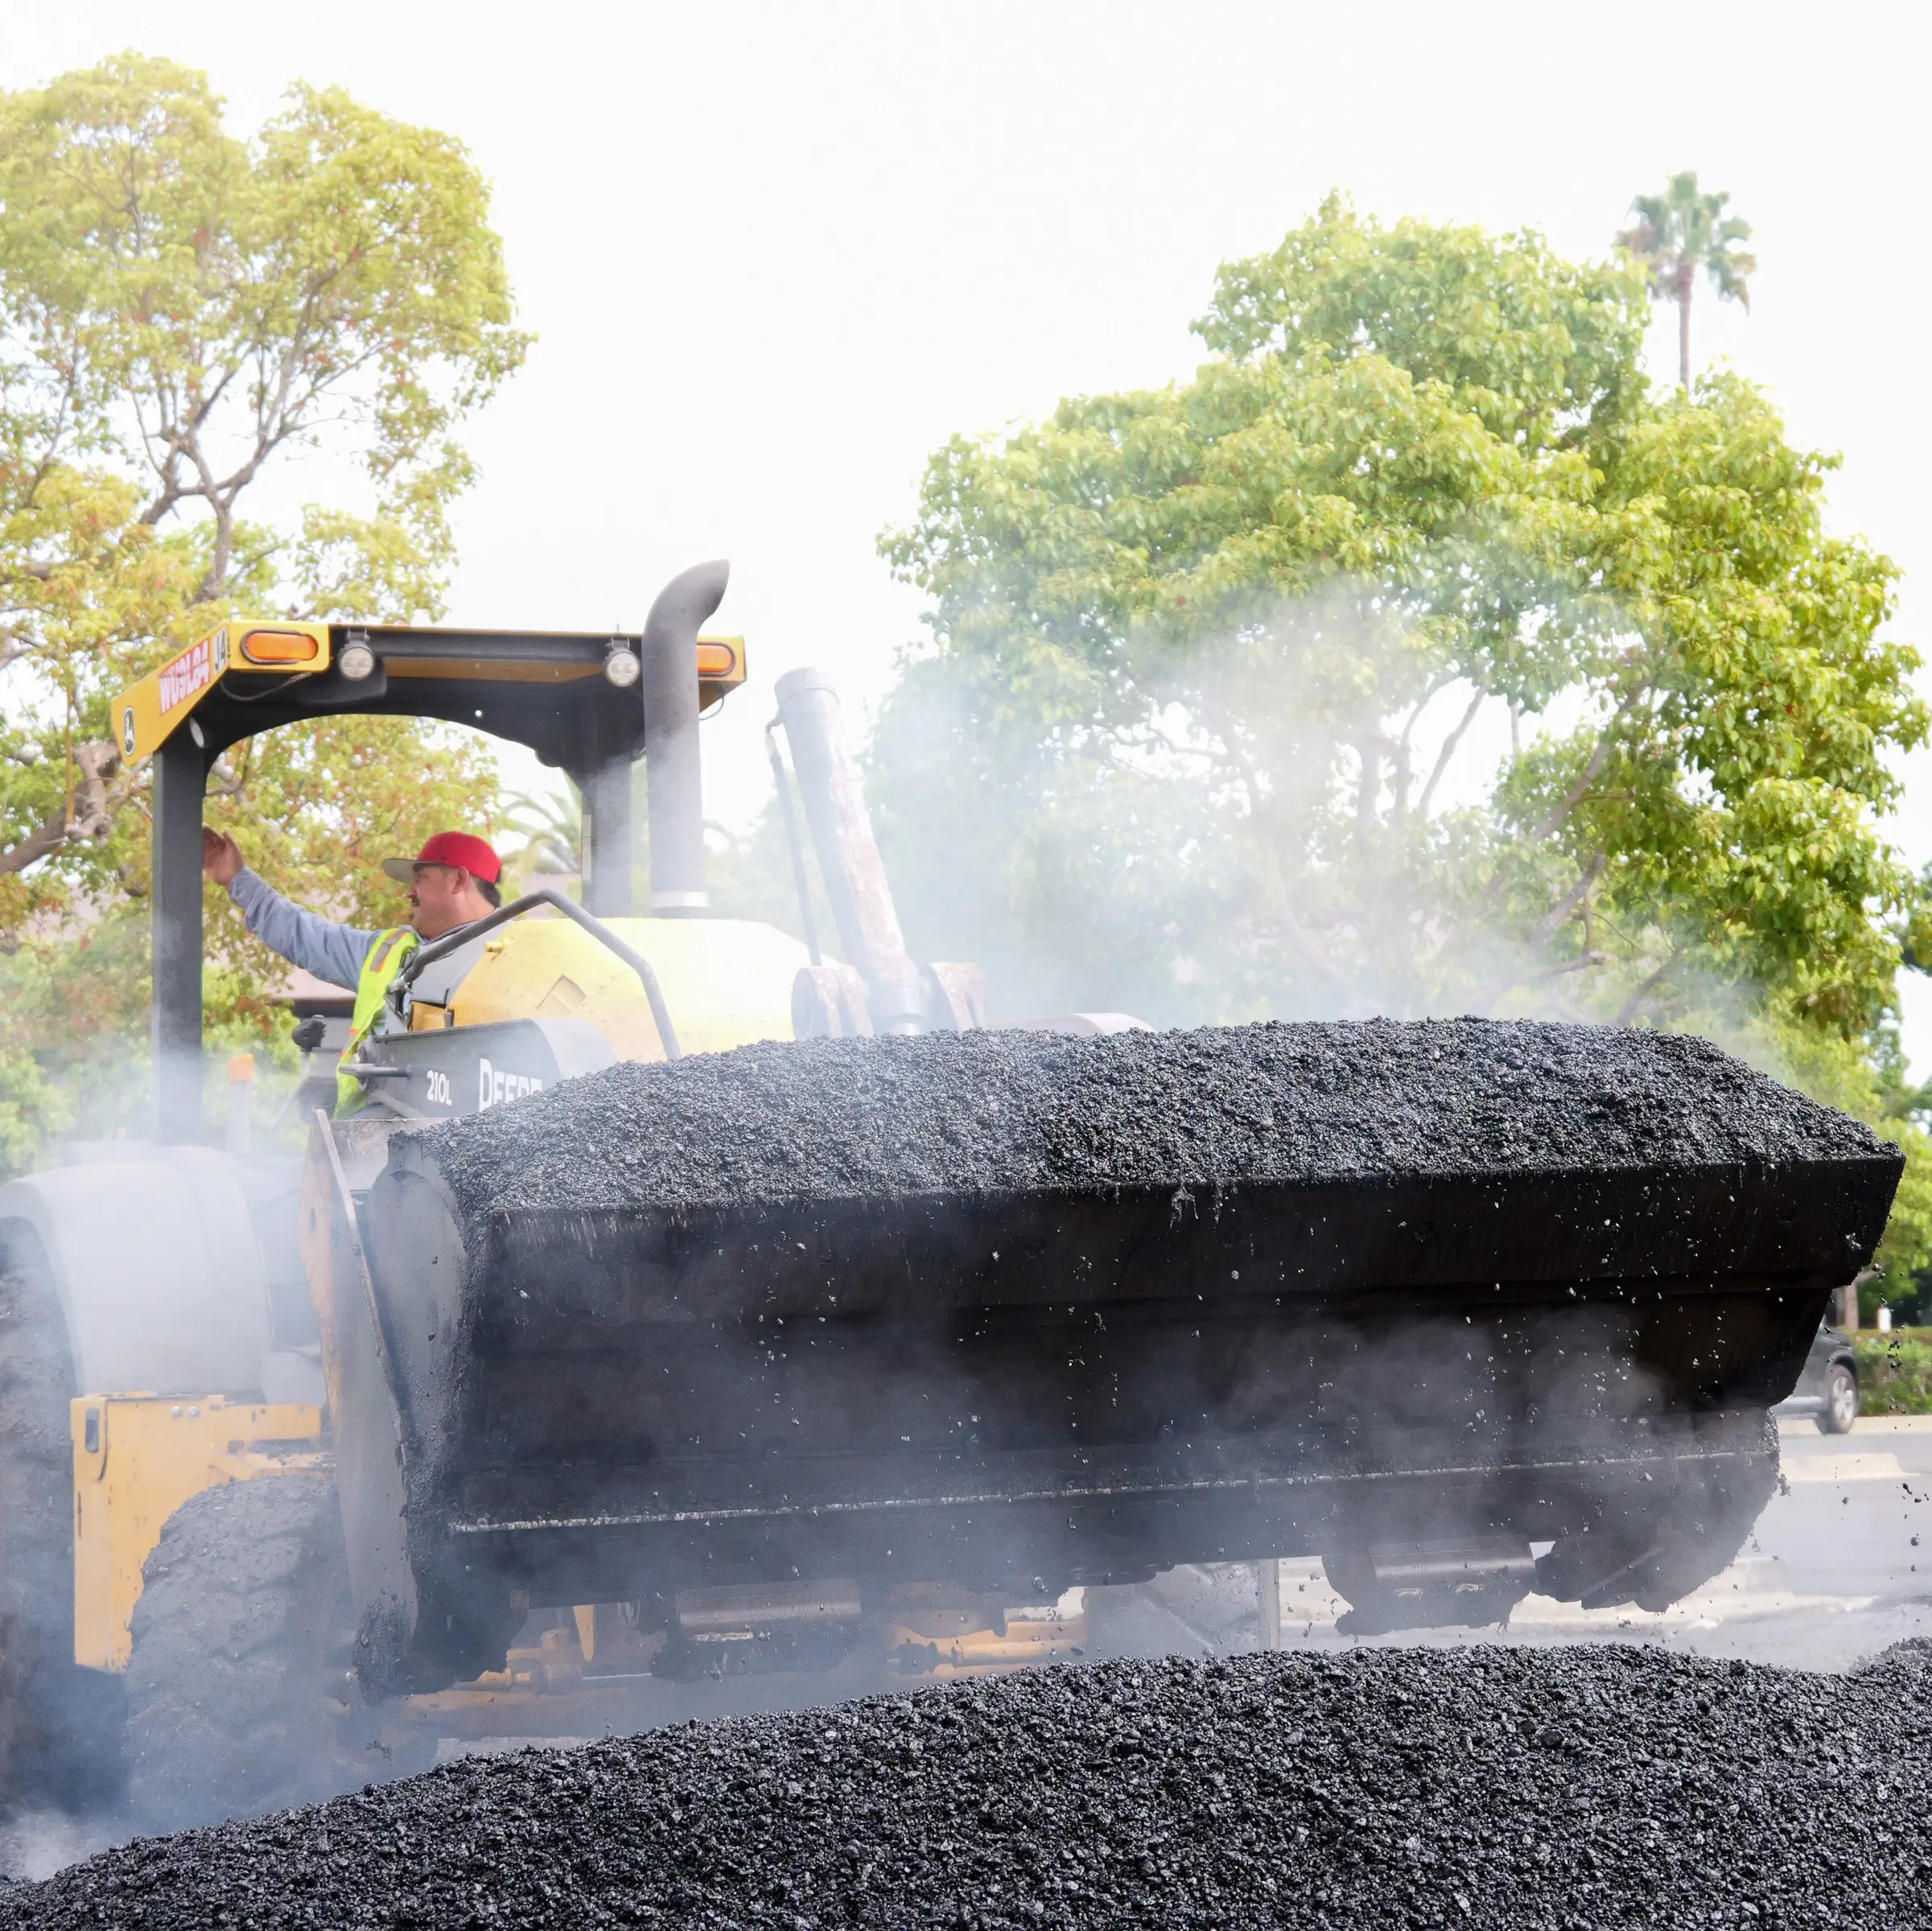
(428, 953)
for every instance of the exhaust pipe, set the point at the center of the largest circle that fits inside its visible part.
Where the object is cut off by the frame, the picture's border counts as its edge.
(848, 853)
(674, 778)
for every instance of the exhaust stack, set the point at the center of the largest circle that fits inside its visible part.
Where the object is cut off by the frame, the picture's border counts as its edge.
(848, 853)
(674, 778)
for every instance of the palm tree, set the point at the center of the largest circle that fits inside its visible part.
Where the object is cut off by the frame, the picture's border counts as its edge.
(1680, 232)
(550, 825)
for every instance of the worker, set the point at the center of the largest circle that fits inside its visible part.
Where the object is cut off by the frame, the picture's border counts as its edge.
(452, 881)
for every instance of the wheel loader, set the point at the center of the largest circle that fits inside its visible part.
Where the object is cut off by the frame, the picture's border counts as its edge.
(297, 1451)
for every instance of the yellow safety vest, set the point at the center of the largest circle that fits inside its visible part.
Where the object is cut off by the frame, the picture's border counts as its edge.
(380, 965)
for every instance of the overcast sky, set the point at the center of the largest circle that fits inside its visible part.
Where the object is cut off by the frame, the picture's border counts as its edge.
(775, 254)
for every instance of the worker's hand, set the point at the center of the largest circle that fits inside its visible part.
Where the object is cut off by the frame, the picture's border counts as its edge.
(220, 856)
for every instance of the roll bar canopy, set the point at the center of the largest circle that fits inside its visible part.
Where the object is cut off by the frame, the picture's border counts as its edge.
(543, 689)
(571, 696)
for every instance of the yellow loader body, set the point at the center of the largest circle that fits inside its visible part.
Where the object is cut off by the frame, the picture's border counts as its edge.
(137, 1459)
(729, 981)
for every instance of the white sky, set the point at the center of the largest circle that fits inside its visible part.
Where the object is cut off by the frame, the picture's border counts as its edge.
(776, 253)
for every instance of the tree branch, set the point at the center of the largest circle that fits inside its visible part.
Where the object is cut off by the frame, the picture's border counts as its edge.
(49, 835)
(227, 781)
(1582, 962)
(1405, 766)
(1163, 738)
(55, 435)
(1303, 941)
(1447, 752)
(1297, 934)
(1546, 929)
(1592, 770)
(1371, 750)
(1634, 1004)
(95, 805)
(1548, 924)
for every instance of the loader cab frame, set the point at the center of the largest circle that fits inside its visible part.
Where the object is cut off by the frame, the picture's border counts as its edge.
(586, 703)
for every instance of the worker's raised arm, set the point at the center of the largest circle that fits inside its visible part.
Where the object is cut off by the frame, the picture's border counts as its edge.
(331, 952)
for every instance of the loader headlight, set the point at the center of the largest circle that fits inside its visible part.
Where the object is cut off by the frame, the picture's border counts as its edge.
(356, 660)
(621, 664)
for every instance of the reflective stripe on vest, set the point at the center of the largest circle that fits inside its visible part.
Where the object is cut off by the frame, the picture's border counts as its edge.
(380, 965)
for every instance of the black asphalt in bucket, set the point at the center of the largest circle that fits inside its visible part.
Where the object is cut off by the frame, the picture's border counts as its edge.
(1302, 1105)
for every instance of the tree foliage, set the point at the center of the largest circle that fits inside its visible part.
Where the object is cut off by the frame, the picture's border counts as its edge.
(182, 310)
(1203, 661)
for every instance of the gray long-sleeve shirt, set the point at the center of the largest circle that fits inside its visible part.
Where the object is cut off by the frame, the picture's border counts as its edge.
(331, 952)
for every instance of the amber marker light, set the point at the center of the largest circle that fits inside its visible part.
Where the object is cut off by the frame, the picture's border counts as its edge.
(279, 647)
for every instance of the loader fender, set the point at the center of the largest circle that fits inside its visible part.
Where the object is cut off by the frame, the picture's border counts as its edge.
(154, 1256)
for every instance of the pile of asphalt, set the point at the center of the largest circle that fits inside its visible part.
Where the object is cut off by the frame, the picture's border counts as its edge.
(993, 1112)
(1490, 1787)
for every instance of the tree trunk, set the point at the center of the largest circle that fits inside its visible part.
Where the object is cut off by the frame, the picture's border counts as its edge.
(1369, 790)
(89, 813)
(1683, 335)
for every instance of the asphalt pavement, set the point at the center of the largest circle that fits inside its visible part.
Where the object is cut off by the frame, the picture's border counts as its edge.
(1839, 1567)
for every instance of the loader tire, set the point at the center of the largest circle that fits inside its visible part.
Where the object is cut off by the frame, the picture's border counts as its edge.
(60, 1725)
(240, 1684)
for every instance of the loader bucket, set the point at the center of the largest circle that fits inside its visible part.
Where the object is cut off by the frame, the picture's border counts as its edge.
(1014, 1310)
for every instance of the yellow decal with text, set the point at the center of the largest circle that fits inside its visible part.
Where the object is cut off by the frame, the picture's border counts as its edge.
(182, 678)
(148, 713)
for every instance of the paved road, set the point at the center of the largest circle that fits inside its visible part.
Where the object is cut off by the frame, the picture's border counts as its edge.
(1839, 1567)
(1840, 1564)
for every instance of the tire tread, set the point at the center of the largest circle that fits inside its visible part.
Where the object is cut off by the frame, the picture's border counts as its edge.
(239, 1678)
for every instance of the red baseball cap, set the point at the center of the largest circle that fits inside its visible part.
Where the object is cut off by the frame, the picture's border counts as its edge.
(479, 860)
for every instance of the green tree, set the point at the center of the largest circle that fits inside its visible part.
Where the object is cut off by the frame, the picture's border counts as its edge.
(1677, 233)
(1204, 660)
(181, 309)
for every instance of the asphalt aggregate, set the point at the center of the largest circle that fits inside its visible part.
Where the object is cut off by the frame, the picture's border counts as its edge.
(1486, 1786)
(998, 1111)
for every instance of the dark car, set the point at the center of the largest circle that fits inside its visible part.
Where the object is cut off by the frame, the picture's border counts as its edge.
(1827, 1390)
